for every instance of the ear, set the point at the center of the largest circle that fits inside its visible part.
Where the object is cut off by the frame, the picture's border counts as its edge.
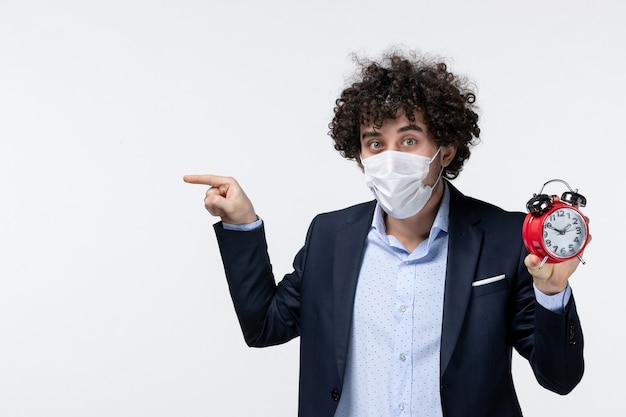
(447, 154)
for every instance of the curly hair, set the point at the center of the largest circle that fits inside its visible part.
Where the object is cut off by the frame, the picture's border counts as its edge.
(400, 84)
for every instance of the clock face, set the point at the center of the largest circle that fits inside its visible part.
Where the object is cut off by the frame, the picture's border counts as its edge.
(564, 232)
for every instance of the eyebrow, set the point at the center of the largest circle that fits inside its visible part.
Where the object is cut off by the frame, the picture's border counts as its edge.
(410, 127)
(406, 128)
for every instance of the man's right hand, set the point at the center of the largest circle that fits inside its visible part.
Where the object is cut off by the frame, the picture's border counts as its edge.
(225, 198)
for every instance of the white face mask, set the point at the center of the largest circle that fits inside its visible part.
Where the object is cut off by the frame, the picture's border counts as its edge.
(396, 178)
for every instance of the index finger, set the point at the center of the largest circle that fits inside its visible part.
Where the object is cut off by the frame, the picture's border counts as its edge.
(212, 180)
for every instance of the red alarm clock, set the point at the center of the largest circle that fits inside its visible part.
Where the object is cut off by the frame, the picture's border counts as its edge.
(554, 227)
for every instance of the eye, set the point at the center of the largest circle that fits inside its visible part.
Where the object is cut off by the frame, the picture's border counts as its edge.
(375, 145)
(409, 142)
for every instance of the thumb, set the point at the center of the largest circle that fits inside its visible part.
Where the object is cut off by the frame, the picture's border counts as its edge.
(533, 263)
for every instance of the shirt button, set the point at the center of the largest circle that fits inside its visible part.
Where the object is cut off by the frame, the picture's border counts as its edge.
(402, 357)
(403, 308)
(401, 406)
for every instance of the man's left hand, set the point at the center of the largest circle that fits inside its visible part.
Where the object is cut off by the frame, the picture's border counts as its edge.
(550, 279)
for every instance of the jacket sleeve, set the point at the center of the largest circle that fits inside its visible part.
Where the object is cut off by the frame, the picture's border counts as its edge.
(268, 313)
(551, 341)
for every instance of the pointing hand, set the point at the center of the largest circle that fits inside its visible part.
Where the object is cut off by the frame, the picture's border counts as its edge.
(225, 198)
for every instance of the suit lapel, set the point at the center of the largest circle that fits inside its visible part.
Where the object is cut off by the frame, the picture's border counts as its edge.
(464, 245)
(348, 256)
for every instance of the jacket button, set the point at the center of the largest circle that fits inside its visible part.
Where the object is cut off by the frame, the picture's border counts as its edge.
(572, 333)
(334, 395)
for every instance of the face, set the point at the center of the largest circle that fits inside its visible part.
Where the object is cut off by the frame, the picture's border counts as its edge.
(402, 135)
(564, 232)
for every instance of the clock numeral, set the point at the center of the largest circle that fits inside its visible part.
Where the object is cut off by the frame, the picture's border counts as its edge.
(576, 240)
(549, 243)
(575, 220)
(578, 231)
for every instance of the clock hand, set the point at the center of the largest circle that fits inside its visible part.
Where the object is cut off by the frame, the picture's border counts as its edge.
(569, 228)
(549, 226)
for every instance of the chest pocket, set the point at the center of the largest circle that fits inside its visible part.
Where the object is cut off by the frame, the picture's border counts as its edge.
(489, 285)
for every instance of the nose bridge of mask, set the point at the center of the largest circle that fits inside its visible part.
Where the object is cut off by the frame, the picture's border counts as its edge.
(396, 162)
(403, 163)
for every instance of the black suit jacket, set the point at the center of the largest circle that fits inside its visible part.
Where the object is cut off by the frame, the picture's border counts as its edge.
(481, 324)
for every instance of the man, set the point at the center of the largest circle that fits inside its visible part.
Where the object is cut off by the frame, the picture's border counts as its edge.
(409, 304)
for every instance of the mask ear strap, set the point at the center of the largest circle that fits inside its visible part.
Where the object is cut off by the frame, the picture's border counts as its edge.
(359, 160)
(438, 178)
(435, 155)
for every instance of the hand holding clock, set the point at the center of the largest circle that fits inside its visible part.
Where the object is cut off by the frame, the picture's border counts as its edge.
(551, 278)
(554, 252)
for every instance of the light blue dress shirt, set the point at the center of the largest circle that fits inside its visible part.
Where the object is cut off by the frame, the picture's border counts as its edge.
(393, 357)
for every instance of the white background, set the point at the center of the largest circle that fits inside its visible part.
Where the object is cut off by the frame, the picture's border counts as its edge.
(113, 300)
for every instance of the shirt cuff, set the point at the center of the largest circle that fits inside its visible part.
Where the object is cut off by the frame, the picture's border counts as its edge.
(244, 227)
(556, 302)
